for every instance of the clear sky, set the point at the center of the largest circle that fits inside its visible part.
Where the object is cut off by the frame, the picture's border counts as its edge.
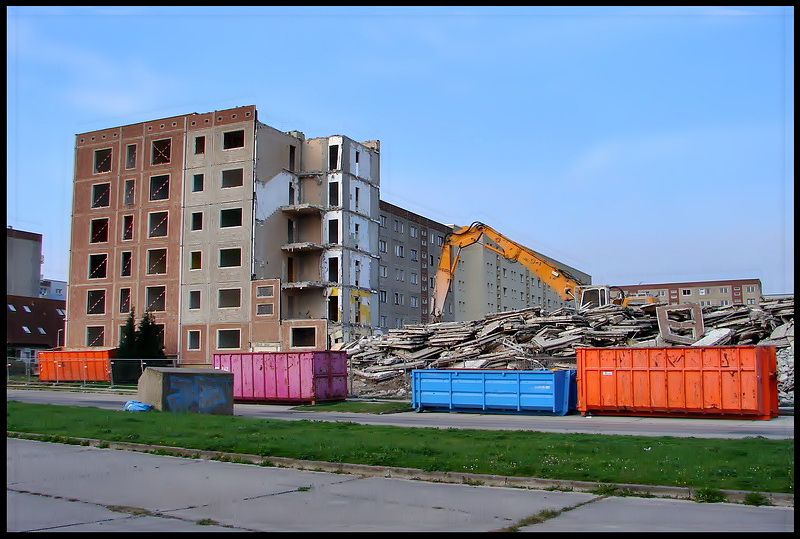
(636, 144)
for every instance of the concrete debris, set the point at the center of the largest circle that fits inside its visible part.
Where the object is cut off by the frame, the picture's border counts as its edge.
(533, 339)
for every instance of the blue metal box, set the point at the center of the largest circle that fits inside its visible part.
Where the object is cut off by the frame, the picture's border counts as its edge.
(499, 391)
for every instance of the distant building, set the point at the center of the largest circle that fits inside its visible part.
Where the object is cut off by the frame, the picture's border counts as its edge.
(23, 262)
(33, 324)
(51, 289)
(703, 293)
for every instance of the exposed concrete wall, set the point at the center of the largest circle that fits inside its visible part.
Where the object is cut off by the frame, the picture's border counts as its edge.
(24, 262)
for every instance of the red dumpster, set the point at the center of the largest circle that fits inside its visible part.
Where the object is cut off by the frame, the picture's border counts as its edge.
(305, 377)
(735, 382)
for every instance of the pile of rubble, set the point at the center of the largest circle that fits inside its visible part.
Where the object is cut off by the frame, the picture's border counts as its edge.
(532, 339)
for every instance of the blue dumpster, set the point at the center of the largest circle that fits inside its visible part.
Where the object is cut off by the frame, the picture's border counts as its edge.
(494, 391)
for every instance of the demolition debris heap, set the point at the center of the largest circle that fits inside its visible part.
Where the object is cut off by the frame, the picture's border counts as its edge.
(532, 339)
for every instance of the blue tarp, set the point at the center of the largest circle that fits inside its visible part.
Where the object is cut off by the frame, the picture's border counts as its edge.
(136, 406)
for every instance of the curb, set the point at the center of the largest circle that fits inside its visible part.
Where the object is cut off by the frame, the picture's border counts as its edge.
(777, 499)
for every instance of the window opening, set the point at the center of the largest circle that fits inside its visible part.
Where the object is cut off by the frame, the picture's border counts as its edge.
(194, 299)
(95, 335)
(230, 258)
(291, 157)
(197, 183)
(196, 260)
(124, 300)
(159, 187)
(130, 156)
(126, 264)
(127, 227)
(199, 145)
(98, 265)
(231, 217)
(233, 139)
(102, 160)
(264, 309)
(158, 224)
(333, 157)
(333, 231)
(304, 336)
(333, 269)
(98, 231)
(197, 220)
(129, 192)
(96, 302)
(333, 193)
(156, 261)
(333, 309)
(230, 297)
(101, 195)
(194, 340)
(228, 338)
(264, 291)
(162, 150)
(233, 178)
(156, 298)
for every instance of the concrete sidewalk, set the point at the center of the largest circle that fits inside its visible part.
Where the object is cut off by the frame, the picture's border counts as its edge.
(79, 488)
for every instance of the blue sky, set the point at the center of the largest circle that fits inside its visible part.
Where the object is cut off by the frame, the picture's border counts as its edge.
(636, 144)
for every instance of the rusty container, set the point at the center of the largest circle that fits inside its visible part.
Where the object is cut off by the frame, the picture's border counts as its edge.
(704, 381)
(290, 377)
(75, 365)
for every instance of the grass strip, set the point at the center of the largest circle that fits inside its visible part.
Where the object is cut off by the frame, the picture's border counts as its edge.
(750, 464)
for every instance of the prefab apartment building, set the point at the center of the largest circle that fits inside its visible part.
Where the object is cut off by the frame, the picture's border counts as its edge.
(235, 235)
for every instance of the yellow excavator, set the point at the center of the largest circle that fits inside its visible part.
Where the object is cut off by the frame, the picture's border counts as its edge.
(565, 285)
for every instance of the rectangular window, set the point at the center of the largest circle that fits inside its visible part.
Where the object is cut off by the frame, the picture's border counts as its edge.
(414, 255)
(724, 290)
(382, 246)
(264, 309)
(413, 231)
(96, 302)
(686, 292)
(229, 297)
(292, 150)
(333, 194)
(414, 278)
(124, 300)
(382, 295)
(194, 299)
(125, 264)
(95, 336)
(158, 224)
(751, 301)
(723, 302)
(399, 251)
(333, 231)
(129, 192)
(130, 156)
(101, 195)
(197, 183)
(98, 231)
(159, 187)
(333, 157)
(231, 217)
(383, 221)
(127, 227)
(156, 261)
(197, 220)
(750, 289)
(233, 139)
(383, 271)
(156, 298)
(303, 337)
(199, 145)
(195, 260)
(414, 301)
(102, 160)
(98, 265)
(233, 178)
(265, 291)
(193, 339)
(230, 258)
(228, 338)
(162, 151)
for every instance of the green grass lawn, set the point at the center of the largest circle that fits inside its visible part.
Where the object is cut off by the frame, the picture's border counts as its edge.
(750, 464)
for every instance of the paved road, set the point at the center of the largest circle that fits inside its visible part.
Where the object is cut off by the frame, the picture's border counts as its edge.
(57, 487)
(781, 427)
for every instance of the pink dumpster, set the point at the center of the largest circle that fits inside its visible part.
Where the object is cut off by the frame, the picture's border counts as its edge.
(304, 377)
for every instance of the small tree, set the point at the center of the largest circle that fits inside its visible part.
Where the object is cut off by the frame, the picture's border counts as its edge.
(127, 342)
(148, 339)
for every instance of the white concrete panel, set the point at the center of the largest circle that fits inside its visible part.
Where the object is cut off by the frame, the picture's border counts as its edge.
(271, 195)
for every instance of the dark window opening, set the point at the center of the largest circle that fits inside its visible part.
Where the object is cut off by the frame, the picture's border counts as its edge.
(130, 190)
(230, 297)
(159, 187)
(230, 258)
(333, 309)
(304, 337)
(233, 139)
(199, 145)
(333, 231)
(233, 177)
(194, 340)
(333, 194)
(125, 264)
(158, 224)
(156, 261)
(231, 217)
(96, 302)
(156, 298)
(197, 183)
(196, 260)
(127, 227)
(264, 309)
(101, 195)
(124, 300)
(102, 160)
(292, 150)
(98, 231)
(98, 265)
(333, 270)
(333, 157)
(130, 156)
(95, 336)
(197, 220)
(228, 338)
(194, 299)
(162, 151)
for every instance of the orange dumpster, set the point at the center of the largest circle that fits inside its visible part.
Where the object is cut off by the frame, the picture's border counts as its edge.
(738, 382)
(78, 365)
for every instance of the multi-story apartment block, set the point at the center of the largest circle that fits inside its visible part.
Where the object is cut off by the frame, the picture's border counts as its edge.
(52, 289)
(235, 235)
(704, 293)
(23, 262)
(409, 246)
(485, 282)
